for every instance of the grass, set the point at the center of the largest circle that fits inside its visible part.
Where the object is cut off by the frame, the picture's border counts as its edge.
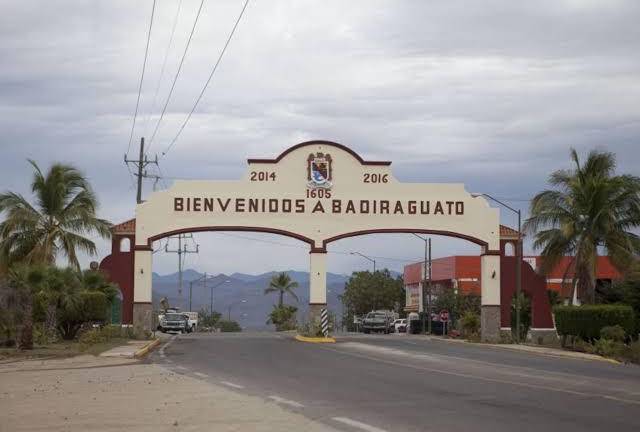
(61, 349)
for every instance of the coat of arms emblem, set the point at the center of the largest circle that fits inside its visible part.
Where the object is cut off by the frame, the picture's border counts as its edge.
(319, 171)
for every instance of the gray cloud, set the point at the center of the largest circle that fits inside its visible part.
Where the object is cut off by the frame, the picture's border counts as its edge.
(491, 94)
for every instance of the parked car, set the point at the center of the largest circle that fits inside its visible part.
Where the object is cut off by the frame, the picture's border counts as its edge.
(174, 322)
(378, 321)
(400, 325)
(192, 318)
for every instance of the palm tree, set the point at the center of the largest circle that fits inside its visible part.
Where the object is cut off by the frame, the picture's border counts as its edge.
(25, 282)
(65, 211)
(282, 283)
(588, 210)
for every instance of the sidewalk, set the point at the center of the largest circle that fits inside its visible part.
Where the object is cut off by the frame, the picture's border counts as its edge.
(126, 351)
(115, 394)
(539, 350)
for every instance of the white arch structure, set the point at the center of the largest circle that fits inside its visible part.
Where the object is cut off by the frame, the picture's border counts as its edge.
(319, 192)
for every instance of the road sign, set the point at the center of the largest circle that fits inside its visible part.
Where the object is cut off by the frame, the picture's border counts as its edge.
(444, 315)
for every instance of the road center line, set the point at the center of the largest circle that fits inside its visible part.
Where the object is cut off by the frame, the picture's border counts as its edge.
(230, 384)
(357, 424)
(201, 375)
(280, 400)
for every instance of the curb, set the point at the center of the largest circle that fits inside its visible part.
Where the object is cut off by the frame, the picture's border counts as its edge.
(315, 339)
(545, 352)
(146, 349)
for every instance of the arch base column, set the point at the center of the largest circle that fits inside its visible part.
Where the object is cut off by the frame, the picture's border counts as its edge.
(317, 284)
(142, 305)
(490, 289)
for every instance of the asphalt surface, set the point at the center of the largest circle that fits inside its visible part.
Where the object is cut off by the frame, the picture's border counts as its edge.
(410, 383)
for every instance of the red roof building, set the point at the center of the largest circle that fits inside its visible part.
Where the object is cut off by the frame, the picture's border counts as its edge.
(462, 273)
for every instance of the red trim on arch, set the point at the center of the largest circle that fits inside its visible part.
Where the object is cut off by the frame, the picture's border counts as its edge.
(151, 239)
(405, 231)
(320, 142)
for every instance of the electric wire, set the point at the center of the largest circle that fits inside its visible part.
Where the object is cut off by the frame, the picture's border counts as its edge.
(144, 65)
(213, 71)
(175, 78)
(162, 69)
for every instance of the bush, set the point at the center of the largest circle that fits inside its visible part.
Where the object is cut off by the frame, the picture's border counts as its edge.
(92, 337)
(283, 317)
(229, 326)
(614, 333)
(470, 324)
(587, 321)
(311, 329)
(634, 352)
(95, 305)
(583, 346)
(524, 304)
(610, 348)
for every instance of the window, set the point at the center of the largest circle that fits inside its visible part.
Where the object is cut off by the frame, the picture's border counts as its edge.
(125, 245)
(509, 249)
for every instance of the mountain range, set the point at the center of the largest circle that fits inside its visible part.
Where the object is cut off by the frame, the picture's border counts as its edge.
(242, 295)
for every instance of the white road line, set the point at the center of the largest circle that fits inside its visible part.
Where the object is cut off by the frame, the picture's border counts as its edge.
(201, 375)
(357, 424)
(230, 384)
(181, 368)
(280, 400)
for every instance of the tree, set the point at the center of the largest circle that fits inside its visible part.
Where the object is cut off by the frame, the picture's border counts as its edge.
(282, 284)
(366, 291)
(65, 211)
(588, 209)
(283, 317)
(26, 282)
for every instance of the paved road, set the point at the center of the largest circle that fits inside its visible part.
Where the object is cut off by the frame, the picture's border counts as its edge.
(410, 383)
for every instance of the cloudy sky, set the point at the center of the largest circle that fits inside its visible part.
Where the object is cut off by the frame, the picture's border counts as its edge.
(492, 94)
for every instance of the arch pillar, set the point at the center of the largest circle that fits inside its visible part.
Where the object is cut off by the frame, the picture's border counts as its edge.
(317, 283)
(142, 305)
(490, 296)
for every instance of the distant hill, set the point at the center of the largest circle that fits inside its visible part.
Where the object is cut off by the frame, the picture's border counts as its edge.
(252, 313)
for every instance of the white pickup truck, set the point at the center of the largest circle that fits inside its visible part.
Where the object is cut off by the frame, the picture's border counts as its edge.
(192, 318)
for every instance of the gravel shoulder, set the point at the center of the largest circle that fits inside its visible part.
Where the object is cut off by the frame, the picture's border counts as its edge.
(110, 394)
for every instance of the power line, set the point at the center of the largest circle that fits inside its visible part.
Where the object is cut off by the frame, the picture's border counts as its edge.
(164, 64)
(144, 65)
(175, 78)
(213, 71)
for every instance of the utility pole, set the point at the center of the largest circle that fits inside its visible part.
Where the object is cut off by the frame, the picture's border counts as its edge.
(425, 295)
(140, 163)
(181, 250)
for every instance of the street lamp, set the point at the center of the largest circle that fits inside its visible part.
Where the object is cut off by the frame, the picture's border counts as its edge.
(214, 287)
(518, 257)
(367, 258)
(231, 305)
(427, 257)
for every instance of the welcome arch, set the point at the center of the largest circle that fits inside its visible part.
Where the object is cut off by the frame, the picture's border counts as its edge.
(319, 192)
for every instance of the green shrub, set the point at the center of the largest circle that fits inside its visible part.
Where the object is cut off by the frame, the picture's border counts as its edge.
(92, 337)
(614, 333)
(587, 321)
(95, 305)
(610, 348)
(283, 317)
(634, 352)
(584, 346)
(42, 335)
(470, 324)
(524, 304)
(229, 326)
(311, 329)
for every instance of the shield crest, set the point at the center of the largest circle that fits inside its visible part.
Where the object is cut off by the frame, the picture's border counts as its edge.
(319, 170)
